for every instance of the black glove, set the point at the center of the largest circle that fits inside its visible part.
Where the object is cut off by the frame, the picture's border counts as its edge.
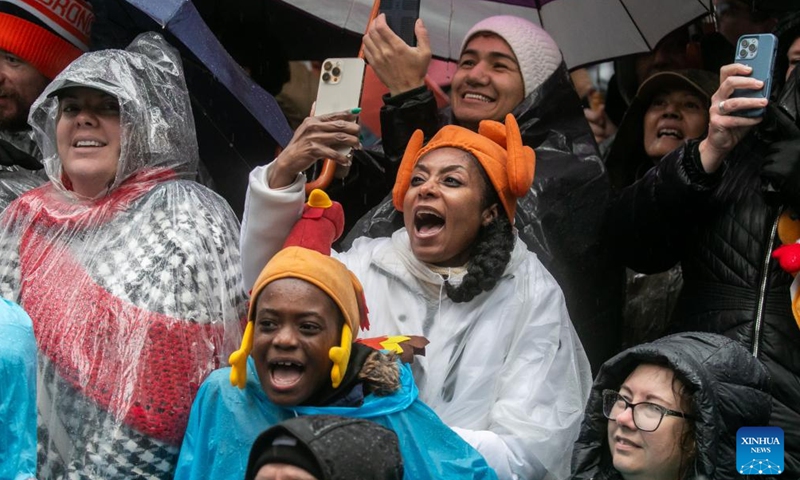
(11, 155)
(781, 169)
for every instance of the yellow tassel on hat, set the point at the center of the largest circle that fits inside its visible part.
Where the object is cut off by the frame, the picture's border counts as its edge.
(238, 359)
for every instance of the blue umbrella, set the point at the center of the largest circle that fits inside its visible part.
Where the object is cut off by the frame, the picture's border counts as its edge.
(238, 122)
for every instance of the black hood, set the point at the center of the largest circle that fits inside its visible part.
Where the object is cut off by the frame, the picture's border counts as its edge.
(729, 387)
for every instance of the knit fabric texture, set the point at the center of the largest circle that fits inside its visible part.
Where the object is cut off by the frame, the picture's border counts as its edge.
(48, 35)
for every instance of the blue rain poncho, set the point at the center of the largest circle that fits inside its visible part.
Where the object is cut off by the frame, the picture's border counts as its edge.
(226, 420)
(17, 393)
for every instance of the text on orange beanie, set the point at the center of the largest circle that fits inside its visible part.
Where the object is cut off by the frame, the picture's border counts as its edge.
(47, 34)
(508, 163)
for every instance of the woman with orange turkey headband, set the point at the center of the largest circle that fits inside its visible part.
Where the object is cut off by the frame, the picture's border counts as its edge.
(504, 367)
(298, 358)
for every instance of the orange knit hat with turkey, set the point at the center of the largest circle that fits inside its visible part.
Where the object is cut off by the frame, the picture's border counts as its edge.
(508, 163)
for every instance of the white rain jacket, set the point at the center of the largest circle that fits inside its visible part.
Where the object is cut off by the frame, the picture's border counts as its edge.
(505, 370)
(135, 295)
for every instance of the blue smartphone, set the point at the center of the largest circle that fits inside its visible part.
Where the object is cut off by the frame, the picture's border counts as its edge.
(758, 52)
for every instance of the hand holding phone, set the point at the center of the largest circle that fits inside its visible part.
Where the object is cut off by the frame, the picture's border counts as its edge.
(340, 84)
(398, 66)
(758, 52)
(401, 15)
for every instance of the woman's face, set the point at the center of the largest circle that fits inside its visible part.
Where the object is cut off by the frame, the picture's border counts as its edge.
(295, 326)
(442, 209)
(793, 56)
(488, 82)
(653, 455)
(672, 118)
(88, 138)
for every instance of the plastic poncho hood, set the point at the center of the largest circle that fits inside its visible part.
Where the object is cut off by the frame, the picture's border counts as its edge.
(729, 389)
(156, 123)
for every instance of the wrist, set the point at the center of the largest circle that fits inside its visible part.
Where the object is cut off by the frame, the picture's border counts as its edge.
(278, 176)
(400, 88)
(710, 157)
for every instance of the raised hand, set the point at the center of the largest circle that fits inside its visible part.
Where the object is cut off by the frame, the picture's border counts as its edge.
(316, 138)
(724, 129)
(398, 65)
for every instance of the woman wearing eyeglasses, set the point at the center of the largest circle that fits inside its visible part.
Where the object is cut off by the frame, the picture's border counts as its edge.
(670, 409)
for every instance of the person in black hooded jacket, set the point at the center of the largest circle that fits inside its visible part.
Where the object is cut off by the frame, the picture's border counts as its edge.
(715, 206)
(716, 384)
(560, 218)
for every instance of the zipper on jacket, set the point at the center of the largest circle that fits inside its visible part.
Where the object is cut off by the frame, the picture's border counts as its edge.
(762, 292)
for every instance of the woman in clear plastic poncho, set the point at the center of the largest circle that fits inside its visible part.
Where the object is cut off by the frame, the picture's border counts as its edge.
(129, 270)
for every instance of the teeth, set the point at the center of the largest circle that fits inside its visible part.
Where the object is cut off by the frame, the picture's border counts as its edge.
(477, 96)
(671, 132)
(287, 364)
(423, 213)
(88, 143)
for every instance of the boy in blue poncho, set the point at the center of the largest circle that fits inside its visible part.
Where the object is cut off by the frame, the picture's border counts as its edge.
(298, 358)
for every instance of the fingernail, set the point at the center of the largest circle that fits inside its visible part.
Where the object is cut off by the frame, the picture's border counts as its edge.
(356, 110)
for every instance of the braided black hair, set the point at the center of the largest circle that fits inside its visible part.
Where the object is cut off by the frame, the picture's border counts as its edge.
(491, 250)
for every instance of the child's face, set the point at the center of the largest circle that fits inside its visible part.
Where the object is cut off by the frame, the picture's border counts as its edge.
(296, 324)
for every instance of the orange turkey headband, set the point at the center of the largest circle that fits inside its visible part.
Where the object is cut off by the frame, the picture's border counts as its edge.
(322, 271)
(508, 163)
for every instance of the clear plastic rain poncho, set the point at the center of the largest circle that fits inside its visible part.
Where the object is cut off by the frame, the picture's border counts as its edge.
(135, 295)
(20, 170)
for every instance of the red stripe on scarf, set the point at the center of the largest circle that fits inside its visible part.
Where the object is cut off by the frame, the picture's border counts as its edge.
(142, 366)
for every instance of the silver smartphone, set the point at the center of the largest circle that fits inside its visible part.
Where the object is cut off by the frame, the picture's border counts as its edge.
(340, 84)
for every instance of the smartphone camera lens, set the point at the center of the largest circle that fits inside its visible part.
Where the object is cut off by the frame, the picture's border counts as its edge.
(327, 66)
(742, 53)
(326, 77)
(336, 71)
(744, 43)
(752, 47)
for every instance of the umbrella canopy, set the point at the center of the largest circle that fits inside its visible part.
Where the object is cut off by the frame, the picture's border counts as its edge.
(238, 122)
(587, 31)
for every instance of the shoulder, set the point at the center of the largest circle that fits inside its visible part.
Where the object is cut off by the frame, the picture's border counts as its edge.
(525, 266)
(189, 195)
(13, 314)
(363, 251)
(215, 384)
(217, 395)
(188, 212)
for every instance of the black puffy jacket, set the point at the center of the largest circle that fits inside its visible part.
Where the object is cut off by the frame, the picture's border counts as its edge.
(560, 218)
(729, 389)
(722, 228)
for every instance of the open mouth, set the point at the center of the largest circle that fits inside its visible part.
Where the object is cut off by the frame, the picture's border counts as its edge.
(285, 374)
(670, 132)
(478, 97)
(428, 223)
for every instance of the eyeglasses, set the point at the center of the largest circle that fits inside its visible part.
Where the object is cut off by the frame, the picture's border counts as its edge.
(647, 417)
